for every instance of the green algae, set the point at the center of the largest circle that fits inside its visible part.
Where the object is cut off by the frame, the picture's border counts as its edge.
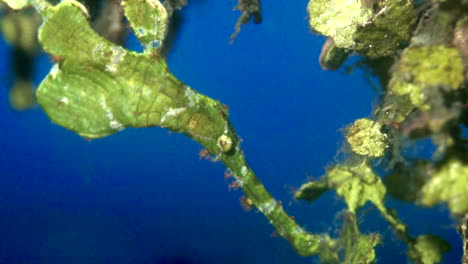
(365, 138)
(421, 71)
(388, 31)
(358, 248)
(394, 109)
(338, 19)
(357, 185)
(371, 31)
(428, 249)
(448, 184)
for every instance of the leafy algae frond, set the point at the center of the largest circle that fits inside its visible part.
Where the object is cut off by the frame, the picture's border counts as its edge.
(426, 67)
(418, 50)
(448, 184)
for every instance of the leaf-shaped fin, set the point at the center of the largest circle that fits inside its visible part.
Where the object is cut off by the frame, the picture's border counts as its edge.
(99, 88)
(76, 97)
(66, 33)
(149, 20)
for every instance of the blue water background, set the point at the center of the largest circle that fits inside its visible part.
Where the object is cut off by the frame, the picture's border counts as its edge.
(144, 196)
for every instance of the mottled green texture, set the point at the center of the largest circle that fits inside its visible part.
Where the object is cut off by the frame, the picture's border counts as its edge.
(358, 184)
(436, 28)
(428, 249)
(17, 4)
(365, 138)
(448, 184)
(423, 70)
(433, 65)
(304, 243)
(358, 248)
(351, 247)
(329, 250)
(98, 88)
(389, 29)
(358, 25)
(338, 19)
(394, 109)
(149, 21)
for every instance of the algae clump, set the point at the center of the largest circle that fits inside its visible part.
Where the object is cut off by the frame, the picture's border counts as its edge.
(448, 184)
(365, 138)
(338, 19)
(428, 249)
(422, 70)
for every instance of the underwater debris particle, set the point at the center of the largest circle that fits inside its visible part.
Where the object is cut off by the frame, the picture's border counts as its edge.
(246, 203)
(234, 185)
(249, 9)
(205, 154)
(228, 175)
